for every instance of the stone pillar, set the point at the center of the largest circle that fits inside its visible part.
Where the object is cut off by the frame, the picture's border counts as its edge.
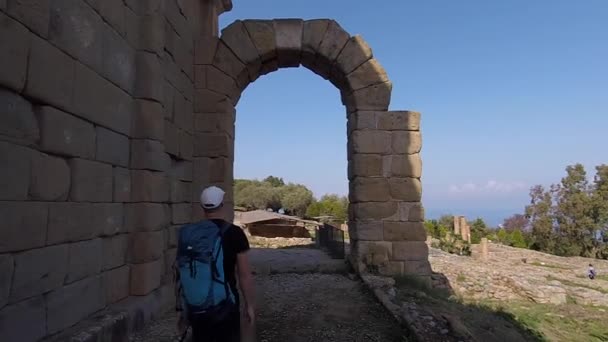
(464, 231)
(456, 225)
(484, 249)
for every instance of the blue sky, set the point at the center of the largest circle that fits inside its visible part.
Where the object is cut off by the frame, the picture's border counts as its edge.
(510, 93)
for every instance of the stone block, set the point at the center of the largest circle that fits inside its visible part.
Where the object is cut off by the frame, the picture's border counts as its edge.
(76, 29)
(186, 145)
(148, 121)
(216, 80)
(17, 120)
(404, 231)
(132, 28)
(15, 171)
(114, 251)
(152, 33)
(181, 213)
(392, 268)
(369, 189)
(367, 74)
(399, 121)
(149, 155)
(372, 210)
(365, 165)
(101, 102)
(263, 37)
(376, 97)
(312, 34)
(7, 266)
(116, 284)
(70, 304)
(200, 77)
(214, 122)
(229, 63)
(416, 213)
(374, 253)
(173, 236)
(122, 184)
(208, 101)
(418, 268)
(236, 37)
(362, 120)
(64, 134)
(146, 216)
(181, 169)
(118, 63)
(24, 225)
(35, 14)
(149, 82)
(410, 250)
(38, 271)
(50, 178)
(145, 7)
(146, 246)
(406, 142)
(70, 222)
(406, 189)
(112, 147)
(366, 230)
(204, 50)
(149, 186)
(170, 256)
(288, 38)
(15, 42)
(211, 145)
(171, 139)
(371, 142)
(85, 259)
(402, 165)
(355, 53)
(50, 75)
(219, 169)
(113, 11)
(145, 278)
(333, 42)
(107, 218)
(91, 181)
(180, 191)
(23, 321)
(182, 113)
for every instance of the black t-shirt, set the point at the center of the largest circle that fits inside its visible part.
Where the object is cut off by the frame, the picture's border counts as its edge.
(235, 242)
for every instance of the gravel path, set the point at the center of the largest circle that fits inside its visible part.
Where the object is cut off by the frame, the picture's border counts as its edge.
(306, 308)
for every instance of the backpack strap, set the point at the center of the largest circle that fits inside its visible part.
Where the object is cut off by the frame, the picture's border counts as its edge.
(223, 229)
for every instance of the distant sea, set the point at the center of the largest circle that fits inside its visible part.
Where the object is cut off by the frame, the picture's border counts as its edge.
(492, 217)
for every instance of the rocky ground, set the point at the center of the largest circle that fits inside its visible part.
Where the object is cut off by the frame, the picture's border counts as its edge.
(519, 274)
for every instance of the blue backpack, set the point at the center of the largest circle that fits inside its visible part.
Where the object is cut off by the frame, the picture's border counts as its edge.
(203, 289)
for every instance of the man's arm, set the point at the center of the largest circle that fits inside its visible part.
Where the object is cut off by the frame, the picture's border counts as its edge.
(246, 283)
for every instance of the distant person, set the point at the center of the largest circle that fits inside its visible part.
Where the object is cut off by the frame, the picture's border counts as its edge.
(211, 254)
(591, 272)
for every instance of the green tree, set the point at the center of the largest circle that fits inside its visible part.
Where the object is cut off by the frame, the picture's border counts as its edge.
(574, 214)
(541, 219)
(517, 239)
(330, 205)
(275, 181)
(502, 236)
(600, 201)
(479, 229)
(295, 199)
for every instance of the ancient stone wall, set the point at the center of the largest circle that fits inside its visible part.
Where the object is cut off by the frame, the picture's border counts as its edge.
(95, 156)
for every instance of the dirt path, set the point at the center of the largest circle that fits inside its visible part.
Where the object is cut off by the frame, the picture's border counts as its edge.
(307, 307)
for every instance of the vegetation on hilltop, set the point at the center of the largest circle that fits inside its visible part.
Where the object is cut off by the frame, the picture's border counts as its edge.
(295, 199)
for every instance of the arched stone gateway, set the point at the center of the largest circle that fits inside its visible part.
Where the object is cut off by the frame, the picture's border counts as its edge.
(384, 166)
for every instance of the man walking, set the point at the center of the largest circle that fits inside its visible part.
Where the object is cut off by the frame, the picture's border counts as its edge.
(211, 254)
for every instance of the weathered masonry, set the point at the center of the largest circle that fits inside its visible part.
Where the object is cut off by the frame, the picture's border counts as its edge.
(115, 113)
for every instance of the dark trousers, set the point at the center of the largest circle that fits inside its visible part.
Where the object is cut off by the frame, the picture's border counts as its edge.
(228, 330)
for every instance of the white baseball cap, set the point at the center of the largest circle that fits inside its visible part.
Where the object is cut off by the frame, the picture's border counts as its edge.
(212, 197)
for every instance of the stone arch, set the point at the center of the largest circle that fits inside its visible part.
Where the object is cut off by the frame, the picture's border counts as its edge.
(384, 165)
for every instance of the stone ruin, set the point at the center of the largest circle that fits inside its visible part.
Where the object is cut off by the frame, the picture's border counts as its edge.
(462, 228)
(116, 113)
